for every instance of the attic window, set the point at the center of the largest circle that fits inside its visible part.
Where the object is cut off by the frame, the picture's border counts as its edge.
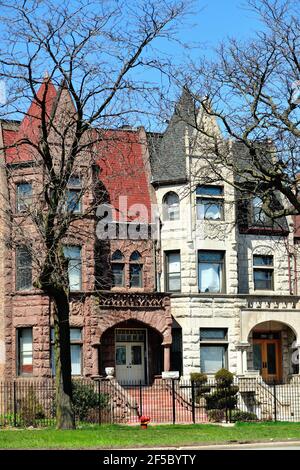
(171, 209)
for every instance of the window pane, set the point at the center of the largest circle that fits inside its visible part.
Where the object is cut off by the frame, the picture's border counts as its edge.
(263, 260)
(135, 275)
(118, 274)
(212, 358)
(23, 268)
(136, 355)
(73, 253)
(213, 333)
(25, 350)
(73, 200)
(210, 190)
(173, 262)
(74, 181)
(171, 207)
(24, 196)
(135, 256)
(257, 356)
(174, 282)
(263, 279)
(210, 277)
(121, 355)
(76, 359)
(271, 358)
(75, 334)
(117, 255)
(209, 210)
(211, 256)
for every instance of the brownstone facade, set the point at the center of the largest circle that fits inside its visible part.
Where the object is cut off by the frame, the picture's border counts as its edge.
(98, 309)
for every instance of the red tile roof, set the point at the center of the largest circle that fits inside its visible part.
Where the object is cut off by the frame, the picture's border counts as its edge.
(123, 169)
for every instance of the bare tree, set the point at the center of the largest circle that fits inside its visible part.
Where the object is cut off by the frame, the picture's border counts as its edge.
(95, 53)
(250, 95)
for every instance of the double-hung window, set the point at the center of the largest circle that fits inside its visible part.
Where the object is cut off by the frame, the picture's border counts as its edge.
(136, 270)
(213, 349)
(263, 272)
(74, 191)
(23, 268)
(210, 202)
(75, 349)
(73, 254)
(117, 268)
(25, 351)
(24, 196)
(173, 271)
(211, 271)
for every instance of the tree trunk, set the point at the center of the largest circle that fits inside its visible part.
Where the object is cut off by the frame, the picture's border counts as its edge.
(65, 418)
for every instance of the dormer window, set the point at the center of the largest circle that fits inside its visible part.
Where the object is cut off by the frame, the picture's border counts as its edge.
(171, 209)
(210, 202)
(259, 217)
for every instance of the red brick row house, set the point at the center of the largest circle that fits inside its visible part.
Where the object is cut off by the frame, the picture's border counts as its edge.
(117, 319)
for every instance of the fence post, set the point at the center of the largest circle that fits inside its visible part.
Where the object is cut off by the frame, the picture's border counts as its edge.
(15, 402)
(99, 404)
(173, 401)
(226, 404)
(193, 401)
(141, 399)
(275, 400)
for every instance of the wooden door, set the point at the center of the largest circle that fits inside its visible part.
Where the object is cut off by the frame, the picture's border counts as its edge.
(267, 359)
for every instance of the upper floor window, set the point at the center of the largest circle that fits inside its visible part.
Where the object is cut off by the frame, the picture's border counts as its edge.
(136, 270)
(24, 196)
(74, 195)
(75, 349)
(210, 202)
(171, 210)
(211, 271)
(263, 272)
(25, 351)
(73, 254)
(259, 217)
(173, 271)
(23, 268)
(117, 267)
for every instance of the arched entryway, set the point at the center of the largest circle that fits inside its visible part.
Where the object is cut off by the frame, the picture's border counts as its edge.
(272, 351)
(134, 350)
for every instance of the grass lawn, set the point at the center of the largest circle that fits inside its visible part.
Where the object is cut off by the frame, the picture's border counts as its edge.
(114, 436)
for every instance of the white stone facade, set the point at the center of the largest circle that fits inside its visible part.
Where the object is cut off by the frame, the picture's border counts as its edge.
(240, 308)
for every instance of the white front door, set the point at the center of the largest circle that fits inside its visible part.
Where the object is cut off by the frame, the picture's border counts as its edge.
(130, 362)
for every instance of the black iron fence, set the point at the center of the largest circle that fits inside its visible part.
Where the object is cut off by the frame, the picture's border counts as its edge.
(26, 403)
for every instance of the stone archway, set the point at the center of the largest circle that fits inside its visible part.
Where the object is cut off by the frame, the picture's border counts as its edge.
(272, 345)
(122, 341)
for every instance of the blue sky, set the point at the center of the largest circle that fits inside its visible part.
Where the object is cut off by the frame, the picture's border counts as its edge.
(214, 20)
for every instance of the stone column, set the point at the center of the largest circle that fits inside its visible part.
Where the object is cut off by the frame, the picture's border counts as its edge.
(95, 360)
(242, 366)
(167, 357)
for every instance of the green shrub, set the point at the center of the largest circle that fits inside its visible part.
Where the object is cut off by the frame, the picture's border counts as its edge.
(198, 377)
(224, 395)
(30, 409)
(224, 378)
(216, 416)
(238, 415)
(86, 401)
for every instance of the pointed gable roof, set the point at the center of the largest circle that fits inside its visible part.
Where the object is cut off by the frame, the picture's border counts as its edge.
(30, 127)
(168, 150)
